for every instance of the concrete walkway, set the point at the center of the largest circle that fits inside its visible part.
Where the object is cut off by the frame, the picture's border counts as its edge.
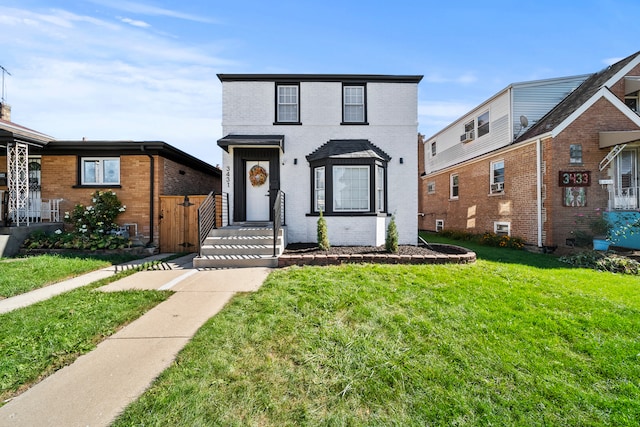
(99, 385)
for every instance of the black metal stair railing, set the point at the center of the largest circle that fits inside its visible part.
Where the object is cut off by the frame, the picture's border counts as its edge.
(206, 218)
(278, 218)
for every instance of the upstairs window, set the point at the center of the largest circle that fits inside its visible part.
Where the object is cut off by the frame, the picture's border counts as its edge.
(497, 177)
(454, 186)
(288, 105)
(469, 133)
(433, 149)
(483, 124)
(100, 170)
(354, 104)
(575, 154)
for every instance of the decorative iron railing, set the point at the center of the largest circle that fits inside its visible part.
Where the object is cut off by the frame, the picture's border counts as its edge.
(625, 198)
(278, 218)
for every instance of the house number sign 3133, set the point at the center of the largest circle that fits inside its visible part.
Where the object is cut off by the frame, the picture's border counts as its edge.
(575, 179)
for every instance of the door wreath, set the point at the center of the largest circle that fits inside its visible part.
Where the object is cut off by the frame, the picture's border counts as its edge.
(257, 175)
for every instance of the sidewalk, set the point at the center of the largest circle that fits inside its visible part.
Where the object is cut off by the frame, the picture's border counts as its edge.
(41, 294)
(99, 385)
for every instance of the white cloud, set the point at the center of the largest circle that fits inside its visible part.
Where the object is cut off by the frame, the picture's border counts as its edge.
(144, 9)
(135, 22)
(77, 76)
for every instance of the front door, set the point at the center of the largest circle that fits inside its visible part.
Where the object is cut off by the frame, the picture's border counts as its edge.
(257, 190)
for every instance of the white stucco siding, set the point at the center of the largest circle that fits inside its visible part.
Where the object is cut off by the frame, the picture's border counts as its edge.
(392, 126)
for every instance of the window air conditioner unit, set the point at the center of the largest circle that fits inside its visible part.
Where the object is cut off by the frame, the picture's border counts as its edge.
(497, 187)
(467, 136)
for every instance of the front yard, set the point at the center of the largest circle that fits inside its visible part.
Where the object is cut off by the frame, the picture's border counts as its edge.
(514, 339)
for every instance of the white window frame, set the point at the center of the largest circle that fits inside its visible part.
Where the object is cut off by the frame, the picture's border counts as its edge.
(502, 228)
(483, 129)
(354, 102)
(454, 177)
(99, 170)
(573, 150)
(433, 149)
(380, 173)
(285, 100)
(337, 191)
(431, 187)
(626, 184)
(439, 225)
(497, 181)
(319, 189)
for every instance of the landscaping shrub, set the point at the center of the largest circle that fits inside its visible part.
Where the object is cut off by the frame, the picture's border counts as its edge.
(391, 243)
(486, 239)
(93, 227)
(607, 261)
(323, 235)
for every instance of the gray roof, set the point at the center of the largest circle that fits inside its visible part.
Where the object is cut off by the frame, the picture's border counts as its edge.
(575, 99)
(348, 148)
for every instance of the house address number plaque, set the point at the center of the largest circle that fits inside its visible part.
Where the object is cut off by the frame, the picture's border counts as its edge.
(575, 179)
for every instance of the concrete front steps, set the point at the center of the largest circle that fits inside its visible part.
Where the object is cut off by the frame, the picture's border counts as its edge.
(237, 246)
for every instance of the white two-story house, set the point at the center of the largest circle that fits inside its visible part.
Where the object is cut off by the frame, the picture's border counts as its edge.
(539, 159)
(343, 145)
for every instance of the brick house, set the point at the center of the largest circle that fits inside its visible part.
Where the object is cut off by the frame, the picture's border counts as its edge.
(539, 159)
(340, 144)
(62, 174)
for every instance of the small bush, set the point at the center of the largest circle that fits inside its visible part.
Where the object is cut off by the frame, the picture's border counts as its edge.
(323, 235)
(93, 227)
(391, 243)
(486, 239)
(607, 261)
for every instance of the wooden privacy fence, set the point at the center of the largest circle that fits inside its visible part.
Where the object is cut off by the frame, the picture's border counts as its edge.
(179, 222)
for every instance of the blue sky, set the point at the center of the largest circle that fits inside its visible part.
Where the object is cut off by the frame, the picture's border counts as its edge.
(146, 69)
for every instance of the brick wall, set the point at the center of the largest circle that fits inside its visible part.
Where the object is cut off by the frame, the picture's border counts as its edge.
(181, 180)
(476, 210)
(602, 116)
(59, 176)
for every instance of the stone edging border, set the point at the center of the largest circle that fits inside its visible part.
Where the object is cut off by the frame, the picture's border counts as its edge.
(287, 260)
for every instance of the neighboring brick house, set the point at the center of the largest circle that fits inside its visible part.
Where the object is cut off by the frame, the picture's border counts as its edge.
(68, 172)
(340, 144)
(539, 159)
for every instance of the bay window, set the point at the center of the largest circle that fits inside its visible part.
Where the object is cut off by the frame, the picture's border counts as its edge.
(348, 177)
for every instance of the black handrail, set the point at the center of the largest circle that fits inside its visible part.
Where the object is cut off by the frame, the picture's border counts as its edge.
(278, 218)
(206, 218)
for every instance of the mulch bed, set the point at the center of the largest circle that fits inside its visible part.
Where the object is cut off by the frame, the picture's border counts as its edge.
(310, 254)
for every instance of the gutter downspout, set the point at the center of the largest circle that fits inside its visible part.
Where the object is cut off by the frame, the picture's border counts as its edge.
(151, 194)
(539, 189)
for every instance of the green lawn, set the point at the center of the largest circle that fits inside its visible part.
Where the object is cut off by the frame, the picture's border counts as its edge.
(514, 339)
(22, 275)
(41, 338)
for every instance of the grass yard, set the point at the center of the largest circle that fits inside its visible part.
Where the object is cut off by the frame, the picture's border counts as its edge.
(44, 337)
(514, 339)
(20, 275)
